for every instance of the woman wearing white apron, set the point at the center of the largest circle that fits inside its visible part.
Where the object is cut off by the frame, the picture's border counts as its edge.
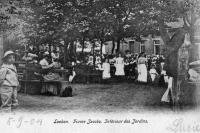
(142, 69)
(106, 71)
(119, 64)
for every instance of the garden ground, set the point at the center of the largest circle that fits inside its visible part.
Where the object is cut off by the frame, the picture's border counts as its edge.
(123, 97)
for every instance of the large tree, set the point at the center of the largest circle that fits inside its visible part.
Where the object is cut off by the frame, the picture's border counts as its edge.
(166, 11)
(12, 14)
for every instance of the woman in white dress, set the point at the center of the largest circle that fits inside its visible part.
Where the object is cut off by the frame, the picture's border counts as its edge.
(106, 71)
(119, 65)
(142, 69)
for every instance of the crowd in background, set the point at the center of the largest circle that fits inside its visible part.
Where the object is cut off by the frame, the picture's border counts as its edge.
(129, 66)
(134, 67)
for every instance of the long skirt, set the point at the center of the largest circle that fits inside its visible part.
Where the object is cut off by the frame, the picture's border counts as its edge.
(106, 74)
(142, 71)
(119, 70)
(50, 88)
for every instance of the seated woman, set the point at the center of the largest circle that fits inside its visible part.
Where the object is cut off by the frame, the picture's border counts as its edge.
(28, 57)
(50, 88)
(56, 63)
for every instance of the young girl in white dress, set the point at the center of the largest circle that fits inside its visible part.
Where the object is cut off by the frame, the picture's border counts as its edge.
(106, 71)
(153, 73)
(142, 69)
(119, 64)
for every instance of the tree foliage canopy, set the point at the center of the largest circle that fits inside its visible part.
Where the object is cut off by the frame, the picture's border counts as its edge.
(48, 21)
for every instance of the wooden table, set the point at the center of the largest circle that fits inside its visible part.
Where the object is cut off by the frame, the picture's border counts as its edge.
(63, 72)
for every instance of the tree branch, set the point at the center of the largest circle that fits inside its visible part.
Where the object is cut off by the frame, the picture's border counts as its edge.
(164, 34)
(186, 22)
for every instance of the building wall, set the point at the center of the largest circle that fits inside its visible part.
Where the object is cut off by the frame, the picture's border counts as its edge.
(135, 47)
(148, 44)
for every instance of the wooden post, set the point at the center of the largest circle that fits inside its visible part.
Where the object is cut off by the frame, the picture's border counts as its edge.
(1, 49)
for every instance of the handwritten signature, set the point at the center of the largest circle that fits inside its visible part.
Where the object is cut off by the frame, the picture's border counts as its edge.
(18, 122)
(180, 126)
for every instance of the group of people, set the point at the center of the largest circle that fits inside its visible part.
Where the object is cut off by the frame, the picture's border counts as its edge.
(139, 67)
(136, 67)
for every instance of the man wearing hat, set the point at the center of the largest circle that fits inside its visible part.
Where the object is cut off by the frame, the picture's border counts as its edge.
(8, 81)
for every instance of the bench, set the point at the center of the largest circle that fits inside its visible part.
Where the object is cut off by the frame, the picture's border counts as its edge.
(88, 77)
(30, 86)
(35, 86)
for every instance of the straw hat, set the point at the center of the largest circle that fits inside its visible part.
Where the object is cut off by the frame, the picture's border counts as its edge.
(7, 53)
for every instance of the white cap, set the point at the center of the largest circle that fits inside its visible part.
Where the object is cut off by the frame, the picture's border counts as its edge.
(46, 53)
(8, 53)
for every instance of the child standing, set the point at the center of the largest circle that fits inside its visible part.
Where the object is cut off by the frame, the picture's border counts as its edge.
(153, 73)
(8, 81)
(106, 71)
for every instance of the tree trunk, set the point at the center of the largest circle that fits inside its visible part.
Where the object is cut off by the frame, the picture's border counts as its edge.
(1, 49)
(192, 49)
(75, 46)
(172, 50)
(83, 44)
(50, 51)
(71, 55)
(118, 45)
(66, 44)
(113, 45)
(101, 47)
(163, 31)
(172, 63)
(94, 59)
